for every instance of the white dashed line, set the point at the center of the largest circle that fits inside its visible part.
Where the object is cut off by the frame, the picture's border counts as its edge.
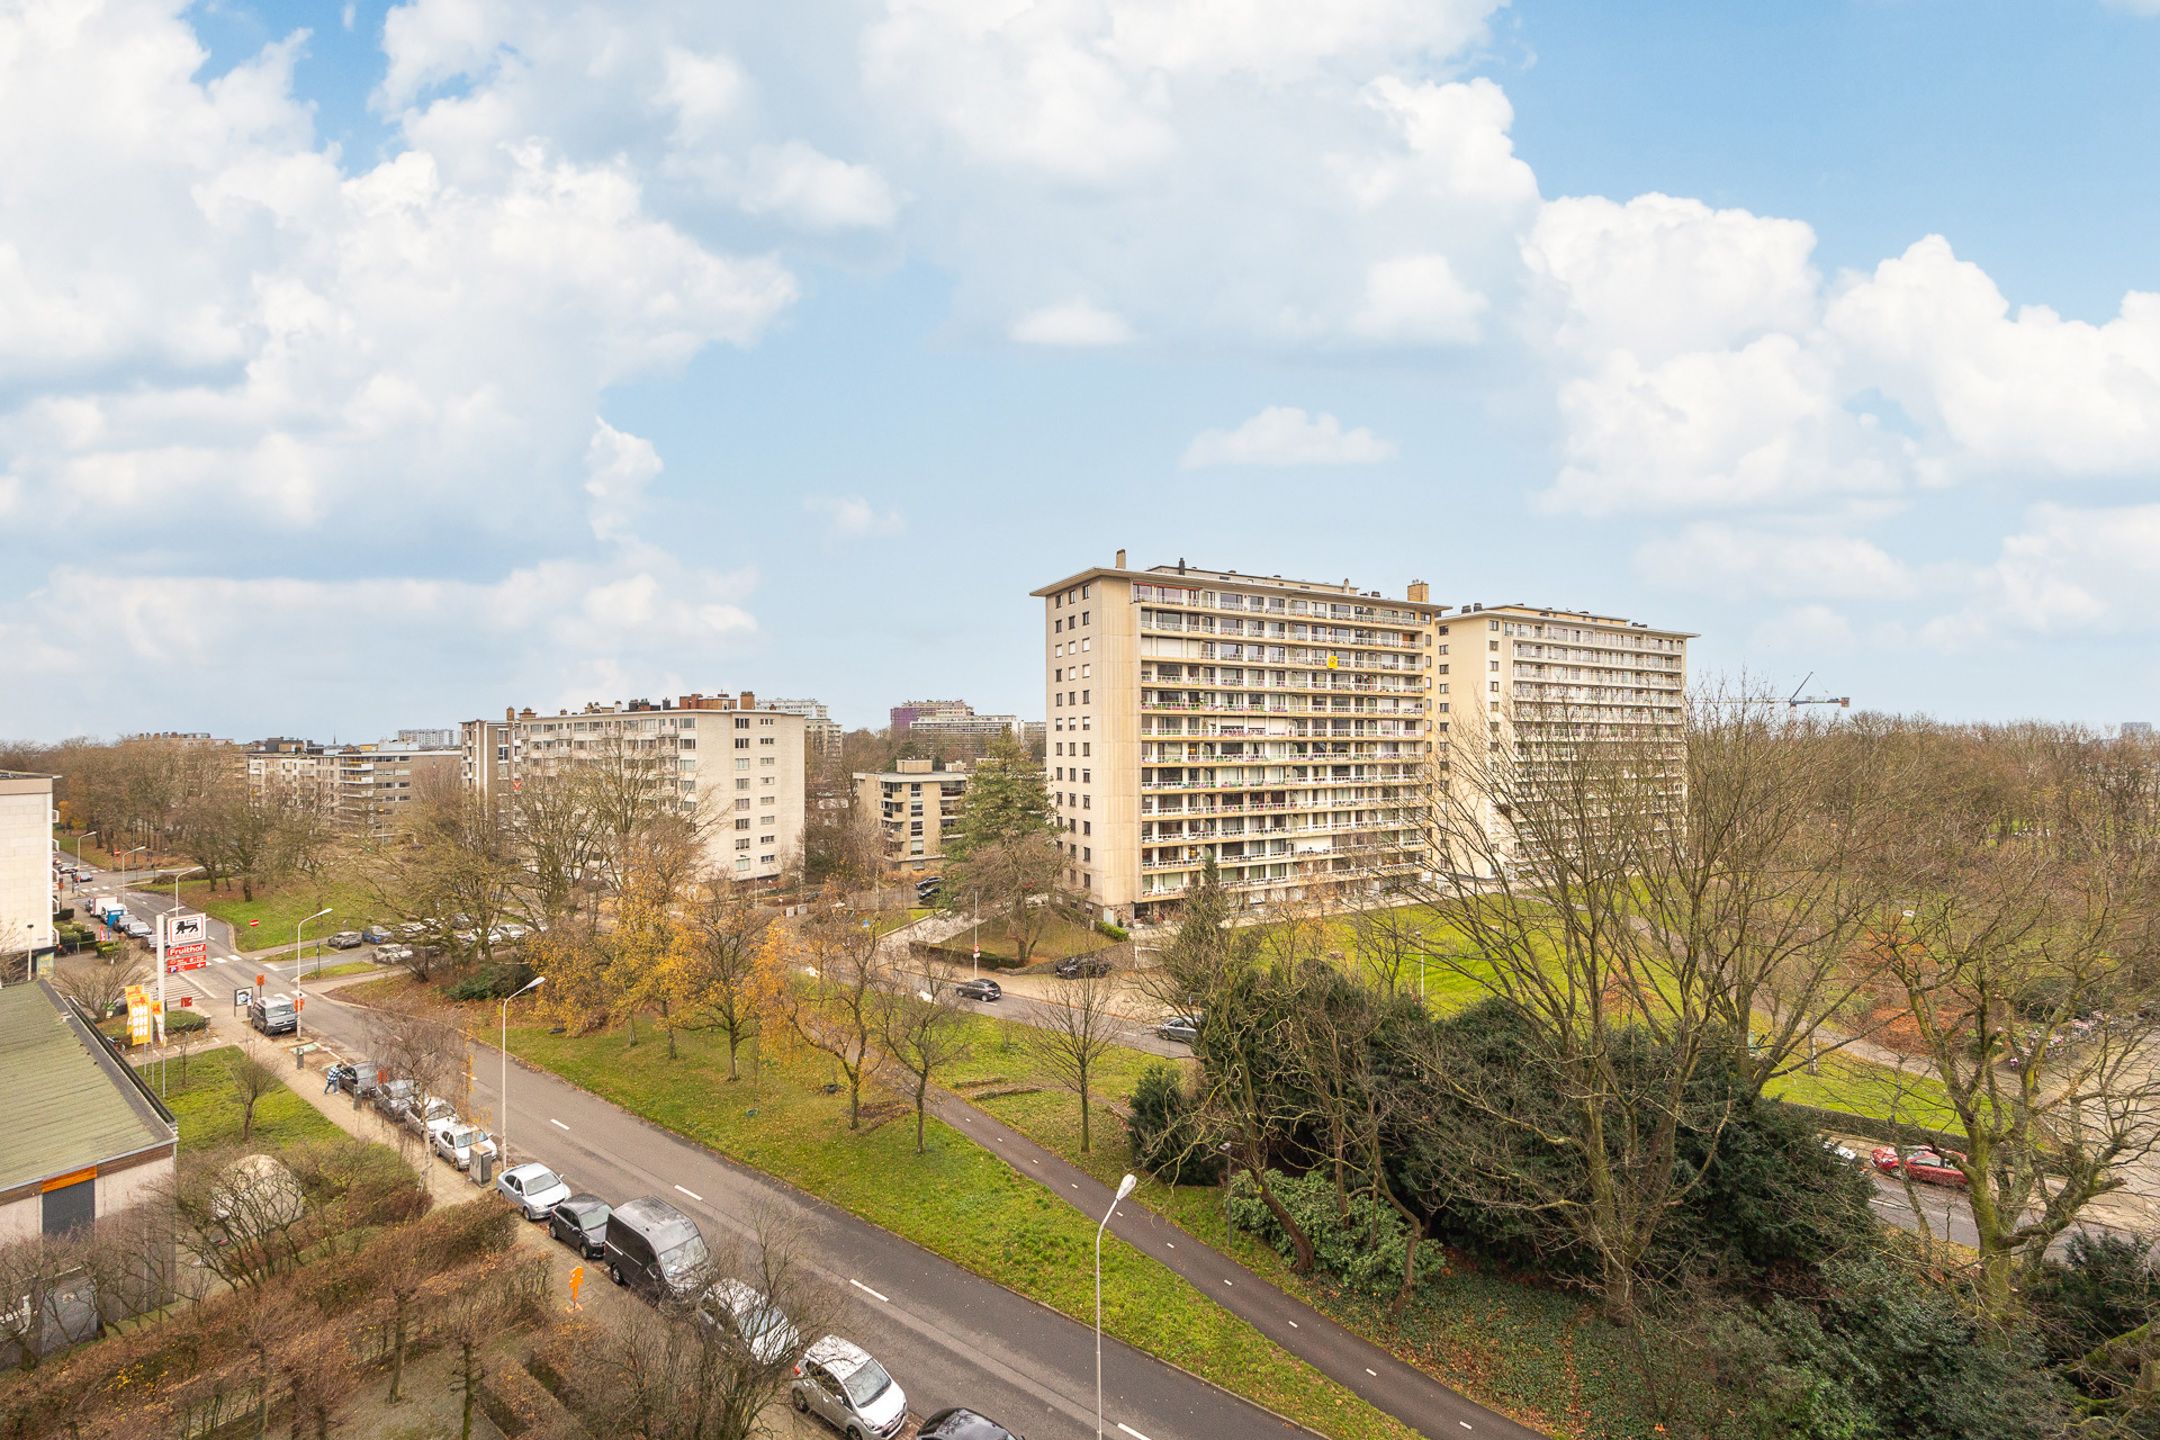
(1130, 1431)
(1171, 1243)
(868, 1291)
(1226, 1282)
(692, 1194)
(557, 1123)
(1293, 1324)
(1464, 1423)
(1372, 1372)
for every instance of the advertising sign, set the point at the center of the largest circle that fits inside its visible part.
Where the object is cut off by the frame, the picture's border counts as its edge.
(186, 942)
(139, 1016)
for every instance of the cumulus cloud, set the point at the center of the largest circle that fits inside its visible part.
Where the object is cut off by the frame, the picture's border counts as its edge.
(1286, 435)
(2065, 571)
(1726, 559)
(1072, 323)
(850, 517)
(1809, 630)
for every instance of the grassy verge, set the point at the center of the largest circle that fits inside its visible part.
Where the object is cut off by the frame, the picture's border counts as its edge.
(956, 1201)
(1866, 1088)
(281, 906)
(1061, 938)
(200, 1094)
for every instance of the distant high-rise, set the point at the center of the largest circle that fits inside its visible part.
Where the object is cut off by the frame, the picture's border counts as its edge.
(907, 712)
(820, 731)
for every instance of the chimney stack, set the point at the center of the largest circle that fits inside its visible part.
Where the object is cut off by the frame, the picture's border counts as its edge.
(1120, 560)
(749, 700)
(1420, 592)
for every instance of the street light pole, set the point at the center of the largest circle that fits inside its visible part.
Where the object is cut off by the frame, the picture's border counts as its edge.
(297, 995)
(1125, 1188)
(502, 1090)
(78, 852)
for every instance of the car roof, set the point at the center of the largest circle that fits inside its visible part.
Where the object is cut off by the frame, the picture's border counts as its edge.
(971, 1425)
(531, 1167)
(659, 1221)
(843, 1357)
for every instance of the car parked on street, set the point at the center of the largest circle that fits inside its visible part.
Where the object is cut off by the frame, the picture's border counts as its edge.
(961, 1423)
(581, 1223)
(420, 1113)
(1927, 1165)
(1075, 967)
(393, 954)
(1185, 1028)
(458, 1142)
(345, 940)
(838, 1381)
(979, 990)
(374, 935)
(655, 1249)
(533, 1188)
(748, 1317)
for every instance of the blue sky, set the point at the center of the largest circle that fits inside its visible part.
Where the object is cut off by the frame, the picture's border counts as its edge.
(475, 353)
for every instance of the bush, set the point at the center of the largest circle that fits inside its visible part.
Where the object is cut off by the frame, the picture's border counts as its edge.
(1115, 932)
(183, 1022)
(2103, 1288)
(492, 983)
(1165, 1139)
(1363, 1249)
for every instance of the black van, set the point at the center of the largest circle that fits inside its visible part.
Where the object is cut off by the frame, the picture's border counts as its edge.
(655, 1249)
(274, 1014)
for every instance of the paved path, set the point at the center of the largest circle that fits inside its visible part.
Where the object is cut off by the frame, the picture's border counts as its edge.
(1402, 1390)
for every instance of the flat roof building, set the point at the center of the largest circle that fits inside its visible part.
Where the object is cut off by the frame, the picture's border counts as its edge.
(913, 806)
(26, 871)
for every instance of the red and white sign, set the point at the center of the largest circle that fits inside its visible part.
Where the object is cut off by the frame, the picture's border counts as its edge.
(186, 957)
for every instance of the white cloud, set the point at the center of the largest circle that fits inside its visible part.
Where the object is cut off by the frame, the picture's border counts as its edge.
(1074, 323)
(816, 191)
(1418, 299)
(1286, 435)
(618, 467)
(1731, 560)
(850, 517)
(2066, 571)
(1810, 630)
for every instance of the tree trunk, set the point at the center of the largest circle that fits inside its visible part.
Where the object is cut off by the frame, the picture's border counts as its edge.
(1301, 1263)
(1083, 1109)
(921, 1095)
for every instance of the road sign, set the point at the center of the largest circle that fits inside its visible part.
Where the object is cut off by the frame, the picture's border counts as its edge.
(243, 996)
(253, 923)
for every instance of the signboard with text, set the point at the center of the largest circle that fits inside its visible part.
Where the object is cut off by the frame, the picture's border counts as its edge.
(187, 942)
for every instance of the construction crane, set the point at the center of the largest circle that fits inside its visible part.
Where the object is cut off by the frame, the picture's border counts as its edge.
(1795, 700)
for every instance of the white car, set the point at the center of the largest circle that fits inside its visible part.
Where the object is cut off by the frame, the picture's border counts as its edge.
(533, 1188)
(458, 1142)
(837, 1381)
(748, 1317)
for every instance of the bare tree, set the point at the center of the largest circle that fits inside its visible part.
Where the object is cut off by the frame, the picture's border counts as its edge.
(919, 1025)
(728, 932)
(829, 998)
(251, 1080)
(1072, 1038)
(96, 984)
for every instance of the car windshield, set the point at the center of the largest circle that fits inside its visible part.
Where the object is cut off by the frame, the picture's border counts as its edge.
(684, 1258)
(542, 1180)
(463, 1138)
(867, 1383)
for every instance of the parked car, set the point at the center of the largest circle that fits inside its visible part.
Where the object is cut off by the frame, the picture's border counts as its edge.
(533, 1188)
(345, 940)
(136, 929)
(273, 1014)
(361, 1077)
(748, 1317)
(837, 1381)
(1927, 1165)
(1841, 1152)
(421, 1114)
(412, 929)
(655, 1249)
(1074, 967)
(960, 1423)
(978, 990)
(393, 954)
(458, 1142)
(581, 1223)
(1185, 1028)
(375, 935)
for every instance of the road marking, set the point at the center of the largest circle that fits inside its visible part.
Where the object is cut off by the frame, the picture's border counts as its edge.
(560, 1126)
(868, 1291)
(1372, 1372)
(1226, 1281)
(1171, 1243)
(1464, 1423)
(1130, 1431)
(691, 1193)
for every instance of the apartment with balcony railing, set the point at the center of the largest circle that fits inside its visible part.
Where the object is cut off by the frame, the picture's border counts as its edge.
(913, 807)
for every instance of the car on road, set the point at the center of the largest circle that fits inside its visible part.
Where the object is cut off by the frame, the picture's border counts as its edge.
(581, 1223)
(458, 1142)
(1927, 1165)
(362, 1077)
(1185, 1028)
(1075, 967)
(655, 1249)
(533, 1188)
(838, 1381)
(137, 929)
(748, 1317)
(961, 1423)
(421, 1114)
(345, 940)
(978, 990)
(374, 935)
(273, 1014)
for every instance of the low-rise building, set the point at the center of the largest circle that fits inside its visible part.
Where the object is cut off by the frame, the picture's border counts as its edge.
(362, 789)
(821, 732)
(26, 871)
(913, 806)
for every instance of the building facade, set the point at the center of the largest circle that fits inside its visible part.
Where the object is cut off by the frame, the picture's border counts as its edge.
(734, 764)
(1294, 732)
(913, 806)
(820, 731)
(907, 712)
(26, 869)
(362, 789)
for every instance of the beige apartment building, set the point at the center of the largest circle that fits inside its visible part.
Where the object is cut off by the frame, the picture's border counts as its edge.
(732, 762)
(821, 733)
(912, 805)
(26, 870)
(362, 789)
(1294, 730)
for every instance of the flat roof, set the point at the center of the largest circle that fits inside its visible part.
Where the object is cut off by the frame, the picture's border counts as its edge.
(70, 1104)
(1327, 590)
(1586, 617)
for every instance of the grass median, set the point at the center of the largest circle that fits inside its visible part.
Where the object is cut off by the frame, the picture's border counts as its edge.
(956, 1201)
(199, 1091)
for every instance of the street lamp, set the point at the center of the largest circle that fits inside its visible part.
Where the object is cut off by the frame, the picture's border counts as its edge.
(118, 866)
(297, 995)
(178, 876)
(502, 1092)
(1125, 1188)
(78, 850)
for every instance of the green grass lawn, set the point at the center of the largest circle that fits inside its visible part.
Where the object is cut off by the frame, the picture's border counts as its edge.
(282, 905)
(956, 1200)
(884, 922)
(1866, 1088)
(332, 970)
(202, 1099)
(1061, 937)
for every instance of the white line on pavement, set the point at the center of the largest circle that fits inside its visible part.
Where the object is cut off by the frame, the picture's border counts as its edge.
(1130, 1431)
(867, 1290)
(557, 1123)
(691, 1193)
(1293, 1324)
(1372, 1372)
(1464, 1423)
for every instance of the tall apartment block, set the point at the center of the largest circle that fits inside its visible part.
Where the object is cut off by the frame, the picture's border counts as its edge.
(1293, 730)
(734, 762)
(912, 806)
(26, 870)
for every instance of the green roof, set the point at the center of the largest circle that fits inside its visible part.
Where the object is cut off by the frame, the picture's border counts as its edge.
(67, 1103)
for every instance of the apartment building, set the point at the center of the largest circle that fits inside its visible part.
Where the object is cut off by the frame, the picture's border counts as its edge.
(907, 712)
(1281, 727)
(727, 759)
(26, 869)
(1295, 731)
(362, 789)
(820, 731)
(913, 805)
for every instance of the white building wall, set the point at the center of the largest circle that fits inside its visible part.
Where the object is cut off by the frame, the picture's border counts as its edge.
(26, 849)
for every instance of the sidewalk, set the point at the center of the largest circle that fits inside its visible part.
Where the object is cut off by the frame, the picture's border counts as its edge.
(1403, 1391)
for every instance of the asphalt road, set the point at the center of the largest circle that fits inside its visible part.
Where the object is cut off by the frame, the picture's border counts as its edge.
(948, 1336)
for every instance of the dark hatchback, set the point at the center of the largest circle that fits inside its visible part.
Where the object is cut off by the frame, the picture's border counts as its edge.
(961, 1423)
(978, 990)
(1075, 967)
(580, 1222)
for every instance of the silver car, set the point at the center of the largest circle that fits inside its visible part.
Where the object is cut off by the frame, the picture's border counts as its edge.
(533, 1188)
(837, 1381)
(458, 1143)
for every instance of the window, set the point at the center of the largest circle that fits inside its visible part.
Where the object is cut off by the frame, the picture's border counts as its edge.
(741, 723)
(742, 824)
(1087, 827)
(743, 844)
(742, 784)
(743, 743)
(1086, 748)
(1087, 644)
(742, 804)
(743, 763)
(1492, 645)
(1083, 617)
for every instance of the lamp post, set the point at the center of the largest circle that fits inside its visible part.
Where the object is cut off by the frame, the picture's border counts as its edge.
(119, 861)
(78, 853)
(1125, 1188)
(297, 995)
(502, 1091)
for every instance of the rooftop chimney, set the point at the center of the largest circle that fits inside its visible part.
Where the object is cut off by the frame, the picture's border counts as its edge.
(749, 700)
(1120, 560)
(1420, 592)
